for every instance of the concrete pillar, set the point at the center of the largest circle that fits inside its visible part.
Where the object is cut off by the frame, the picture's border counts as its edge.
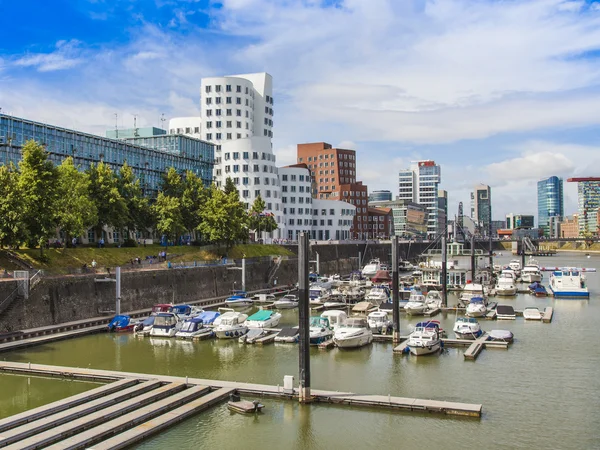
(395, 293)
(304, 317)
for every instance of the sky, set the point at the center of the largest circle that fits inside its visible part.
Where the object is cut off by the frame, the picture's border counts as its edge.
(503, 93)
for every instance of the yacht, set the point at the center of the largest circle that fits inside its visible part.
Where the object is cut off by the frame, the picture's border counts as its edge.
(425, 338)
(380, 322)
(531, 272)
(319, 330)
(318, 294)
(198, 327)
(239, 299)
(416, 304)
(532, 313)
(165, 325)
(230, 325)
(469, 291)
(515, 265)
(467, 328)
(506, 284)
(288, 301)
(336, 318)
(378, 295)
(370, 269)
(355, 332)
(264, 319)
(476, 307)
(433, 299)
(185, 311)
(568, 282)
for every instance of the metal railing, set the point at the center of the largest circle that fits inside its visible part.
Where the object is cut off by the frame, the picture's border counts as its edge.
(8, 300)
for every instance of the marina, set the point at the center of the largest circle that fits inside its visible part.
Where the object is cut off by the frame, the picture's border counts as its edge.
(424, 377)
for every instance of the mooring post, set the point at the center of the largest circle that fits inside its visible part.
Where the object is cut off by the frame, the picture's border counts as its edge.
(318, 263)
(444, 272)
(473, 259)
(303, 314)
(359, 260)
(118, 290)
(244, 274)
(395, 293)
(522, 252)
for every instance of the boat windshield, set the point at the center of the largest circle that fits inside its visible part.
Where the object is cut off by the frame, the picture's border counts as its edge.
(191, 326)
(319, 322)
(355, 323)
(165, 321)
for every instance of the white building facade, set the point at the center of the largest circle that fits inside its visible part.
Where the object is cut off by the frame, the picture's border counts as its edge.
(419, 184)
(322, 219)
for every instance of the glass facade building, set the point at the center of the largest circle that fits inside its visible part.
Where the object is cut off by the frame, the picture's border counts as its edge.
(149, 157)
(380, 196)
(550, 202)
(588, 199)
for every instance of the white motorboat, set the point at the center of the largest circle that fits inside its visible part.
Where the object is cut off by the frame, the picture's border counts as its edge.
(380, 322)
(425, 338)
(239, 299)
(467, 328)
(288, 301)
(355, 332)
(318, 294)
(568, 282)
(252, 335)
(515, 265)
(371, 269)
(416, 304)
(352, 294)
(198, 327)
(469, 291)
(506, 283)
(231, 325)
(336, 318)
(501, 335)
(263, 319)
(288, 335)
(476, 307)
(185, 312)
(263, 298)
(505, 312)
(532, 313)
(143, 328)
(433, 299)
(165, 325)
(531, 272)
(378, 295)
(405, 266)
(319, 330)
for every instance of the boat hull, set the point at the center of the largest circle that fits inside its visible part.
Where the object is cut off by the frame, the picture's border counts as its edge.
(285, 305)
(505, 291)
(530, 278)
(570, 293)
(163, 332)
(239, 303)
(468, 335)
(204, 334)
(353, 341)
(476, 312)
(420, 350)
(230, 333)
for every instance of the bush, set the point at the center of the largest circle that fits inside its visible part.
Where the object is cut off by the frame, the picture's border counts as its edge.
(129, 243)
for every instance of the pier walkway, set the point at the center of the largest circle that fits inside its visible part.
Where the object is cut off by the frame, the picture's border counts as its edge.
(133, 406)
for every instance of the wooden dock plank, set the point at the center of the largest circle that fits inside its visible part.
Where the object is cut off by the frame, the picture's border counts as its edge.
(432, 312)
(268, 339)
(475, 348)
(61, 405)
(164, 421)
(42, 440)
(326, 345)
(45, 339)
(129, 420)
(51, 421)
(402, 348)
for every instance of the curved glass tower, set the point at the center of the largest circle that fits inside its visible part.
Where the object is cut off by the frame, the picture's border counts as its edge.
(550, 202)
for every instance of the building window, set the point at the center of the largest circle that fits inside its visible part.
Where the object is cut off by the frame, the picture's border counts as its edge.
(228, 88)
(207, 89)
(209, 112)
(238, 101)
(209, 100)
(245, 193)
(228, 112)
(238, 88)
(291, 222)
(218, 112)
(239, 135)
(228, 100)
(236, 180)
(246, 181)
(256, 180)
(218, 136)
(208, 125)
(196, 130)
(228, 135)
(238, 124)
(236, 155)
(238, 112)
(257, 193)
(218, 100)
(208, 136)
(218, 124)
(245, 167)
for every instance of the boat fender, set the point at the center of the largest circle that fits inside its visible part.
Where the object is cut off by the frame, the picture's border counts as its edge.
(227, 333)
(236, 333)
(442, 344)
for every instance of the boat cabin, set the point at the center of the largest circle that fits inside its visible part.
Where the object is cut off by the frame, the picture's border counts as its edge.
(319, 322)
(336, 318)
(161, 307)
(181, 310)
(192, 325)
(355, 322)
(165, 320)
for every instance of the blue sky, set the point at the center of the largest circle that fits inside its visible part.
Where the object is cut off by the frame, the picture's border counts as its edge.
(498, 92)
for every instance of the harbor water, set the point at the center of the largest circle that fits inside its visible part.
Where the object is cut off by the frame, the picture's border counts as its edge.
(543, 392)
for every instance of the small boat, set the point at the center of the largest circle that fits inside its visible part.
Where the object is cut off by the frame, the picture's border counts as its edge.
(288, 301)
(355, 332)
(531, 272)
(252, 335)
(319, 330)
(230, 325)
(263, 298)
(238, 299)
(467, 328)
(568, 282)
(160, 307)
(380, 322)
(144, 327)
(122, 324)
(235, 404)
(540, 291)
(165, 325)
(506, 284)
(425, 338)
(185, 311)
(318, 294)
(378, 295)
(336, 318)
(532, 313)
(416, 304)
(198, 327)
(469, 291)
(263, 319)
(288, 335)
(433, 299)
(335, 300)
(515, 265)
(505, 312)
(476, 307)
(371, 269)
(501, 335)
(405, 266)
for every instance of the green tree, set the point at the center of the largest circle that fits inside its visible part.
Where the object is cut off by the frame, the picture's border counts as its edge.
(169, 217)
(171, 183)
(230, 187)
(38, 183)
(193, 197)
(76, 212)
(224, 220)
(260, 221)
(139, 212)
(12, 230)
(104, 192)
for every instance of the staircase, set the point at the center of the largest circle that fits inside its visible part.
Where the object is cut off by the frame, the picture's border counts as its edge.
(22, 291)
(273, 270)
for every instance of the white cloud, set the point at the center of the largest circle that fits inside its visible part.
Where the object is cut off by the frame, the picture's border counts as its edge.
(66, 56)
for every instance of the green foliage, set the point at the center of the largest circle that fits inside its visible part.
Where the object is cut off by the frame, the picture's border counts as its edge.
(224, 220)
(260, 221)
(171, 183)
(104, 193)
(139, 212)
(76, 212)
(168, 214)
(12, 232)
(38, 183)
(230, 187)
(193, 197)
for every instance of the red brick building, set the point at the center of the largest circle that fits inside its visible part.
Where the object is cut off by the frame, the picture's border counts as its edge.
(380, 223)
(334, 178)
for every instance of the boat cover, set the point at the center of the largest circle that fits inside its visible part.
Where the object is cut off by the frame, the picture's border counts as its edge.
(501, 334)
(253, 333)
(381, 276)
(387, 306)
(119, 322)
(427, 325)
(208, 316)
(505, 310)
(181, 309)
(288, 332)
(261, 315)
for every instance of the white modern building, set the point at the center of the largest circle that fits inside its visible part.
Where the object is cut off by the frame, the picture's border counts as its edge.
(189, 126)
(322, 219)
(419, 184)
